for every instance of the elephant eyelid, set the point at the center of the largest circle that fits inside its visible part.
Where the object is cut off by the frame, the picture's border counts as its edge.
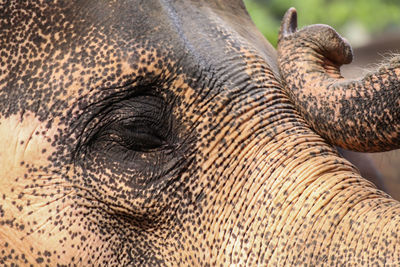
(141, 123)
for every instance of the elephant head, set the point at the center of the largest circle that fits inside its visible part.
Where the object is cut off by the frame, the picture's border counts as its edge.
(162, 133)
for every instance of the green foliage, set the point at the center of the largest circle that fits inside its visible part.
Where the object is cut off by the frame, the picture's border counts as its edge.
(372, 15)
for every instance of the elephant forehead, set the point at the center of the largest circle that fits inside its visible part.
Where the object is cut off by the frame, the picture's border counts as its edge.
(55, 51)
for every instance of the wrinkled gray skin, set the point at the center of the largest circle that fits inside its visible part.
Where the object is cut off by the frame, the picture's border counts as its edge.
(145, 133)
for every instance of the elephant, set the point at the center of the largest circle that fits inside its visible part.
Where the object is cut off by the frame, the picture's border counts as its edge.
(359, 114)
(167, 133)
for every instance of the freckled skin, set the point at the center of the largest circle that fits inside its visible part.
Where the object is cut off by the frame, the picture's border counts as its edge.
(130, 139)
(360, 114)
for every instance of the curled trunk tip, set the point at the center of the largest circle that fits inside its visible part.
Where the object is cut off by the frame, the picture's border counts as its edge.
(289, 23)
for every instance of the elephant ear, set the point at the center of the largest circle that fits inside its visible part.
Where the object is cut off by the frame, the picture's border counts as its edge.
(362, 114)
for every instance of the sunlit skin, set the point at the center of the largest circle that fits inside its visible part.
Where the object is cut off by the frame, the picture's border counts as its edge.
(162, 133)
(359, 114)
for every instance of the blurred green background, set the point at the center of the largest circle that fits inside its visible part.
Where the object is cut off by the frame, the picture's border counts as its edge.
(357, 20)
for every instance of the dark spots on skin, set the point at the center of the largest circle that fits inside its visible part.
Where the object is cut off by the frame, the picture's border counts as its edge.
(359, 114)
(162, 147)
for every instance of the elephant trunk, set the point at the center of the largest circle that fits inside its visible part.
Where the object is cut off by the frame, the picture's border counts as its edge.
(360, 114)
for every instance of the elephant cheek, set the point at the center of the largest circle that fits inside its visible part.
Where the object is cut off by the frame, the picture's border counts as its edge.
(25, 142)
(31, 195)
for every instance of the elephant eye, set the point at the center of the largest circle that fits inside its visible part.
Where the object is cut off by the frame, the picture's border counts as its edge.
(141, 136)
(132, 127)
(136, 135)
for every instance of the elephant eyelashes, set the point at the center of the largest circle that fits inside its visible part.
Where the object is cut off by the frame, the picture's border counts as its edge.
(141, 136)
(132, 127)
